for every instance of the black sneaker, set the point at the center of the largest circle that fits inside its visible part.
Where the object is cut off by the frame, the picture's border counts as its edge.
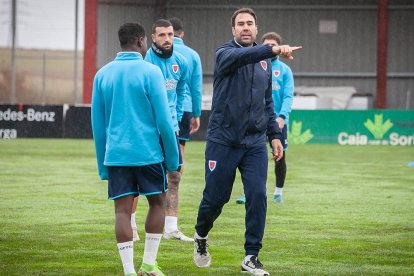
(201, 256)
(254, 267)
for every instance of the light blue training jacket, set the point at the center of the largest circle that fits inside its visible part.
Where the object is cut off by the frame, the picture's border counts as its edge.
(175, 72)
(129, 113)
(282, 89)
(194, 88)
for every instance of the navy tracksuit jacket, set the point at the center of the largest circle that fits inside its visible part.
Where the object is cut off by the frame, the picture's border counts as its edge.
(242, 109)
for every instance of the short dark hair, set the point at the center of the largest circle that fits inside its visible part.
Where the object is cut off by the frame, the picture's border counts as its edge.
(243, 10)
(177, 24)
(160, 23)
(273, 36)
(128, 32)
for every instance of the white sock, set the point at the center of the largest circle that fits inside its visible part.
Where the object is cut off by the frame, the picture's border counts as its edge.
(197, 236)
(170, 224)
(247, 258)
(279, 191)
(152, 243)
(126, 251)
(133, 222)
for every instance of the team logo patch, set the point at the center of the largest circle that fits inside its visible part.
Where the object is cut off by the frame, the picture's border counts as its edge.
(263, 63)
(175, 68)
(276, 73)
(212, 164)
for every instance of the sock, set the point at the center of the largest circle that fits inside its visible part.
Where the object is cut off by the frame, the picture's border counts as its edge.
(126, 251)
(199, 237)
(247, 258)
(152, 243)
(279, 191)
(133, 222)
(170, 224)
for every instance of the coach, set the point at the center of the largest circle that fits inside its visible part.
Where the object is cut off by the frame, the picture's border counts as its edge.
(242, 115)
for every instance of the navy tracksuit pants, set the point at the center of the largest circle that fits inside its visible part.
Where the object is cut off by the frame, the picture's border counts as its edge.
(221, 164)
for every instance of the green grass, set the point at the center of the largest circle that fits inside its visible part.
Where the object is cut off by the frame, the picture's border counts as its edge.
(347, 210)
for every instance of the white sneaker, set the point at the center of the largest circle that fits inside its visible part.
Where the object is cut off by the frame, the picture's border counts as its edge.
(177, 235)
(201, 256)
(135, 236)
(253, 267)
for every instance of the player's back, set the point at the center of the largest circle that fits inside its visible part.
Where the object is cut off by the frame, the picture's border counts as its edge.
(125, 86)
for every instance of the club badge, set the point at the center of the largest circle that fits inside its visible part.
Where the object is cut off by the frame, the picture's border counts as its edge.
(212, 164)
(175, 68)
(263, 63)
(276, 73)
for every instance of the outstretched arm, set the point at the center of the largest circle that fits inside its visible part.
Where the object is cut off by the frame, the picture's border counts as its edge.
(229, 58)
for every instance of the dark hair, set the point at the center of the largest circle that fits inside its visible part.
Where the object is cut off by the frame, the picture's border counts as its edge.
(177, 25)
(160, 23)
(273, 36)
(128, 32)
(243, 10)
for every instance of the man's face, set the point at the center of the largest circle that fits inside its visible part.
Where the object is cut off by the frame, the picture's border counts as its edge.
(163, 37)
(270, 42)
(245, 29)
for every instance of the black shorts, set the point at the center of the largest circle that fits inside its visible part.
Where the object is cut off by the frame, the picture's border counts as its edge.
(180, 157)
(136, 180)
(185, 126)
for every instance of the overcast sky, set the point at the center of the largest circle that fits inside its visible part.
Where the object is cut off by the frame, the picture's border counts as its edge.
(42, 24)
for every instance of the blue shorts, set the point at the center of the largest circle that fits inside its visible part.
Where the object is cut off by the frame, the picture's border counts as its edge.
(136, 180)
(180, 157)
(284, 139)
(185, 126)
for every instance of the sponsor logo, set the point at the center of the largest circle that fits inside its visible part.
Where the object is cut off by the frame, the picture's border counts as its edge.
(212, 164)
(296, 136)
(175, 68)
(276, 73)
(378, 128)
(170, 84)
(8, 133)
(275, 85)
(263, 63)
(31, 115)
(126, 247)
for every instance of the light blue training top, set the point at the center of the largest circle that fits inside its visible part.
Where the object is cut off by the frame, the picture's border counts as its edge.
(174, 70)
(129, 113)
(194, 87)
(282, 89)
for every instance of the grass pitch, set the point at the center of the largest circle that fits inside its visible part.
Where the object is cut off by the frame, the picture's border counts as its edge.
(347, 210)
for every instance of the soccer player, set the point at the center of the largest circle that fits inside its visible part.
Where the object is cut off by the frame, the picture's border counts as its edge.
(282, 93)
(190, 121)
(242, 115)
(175, 71)
(129, 113)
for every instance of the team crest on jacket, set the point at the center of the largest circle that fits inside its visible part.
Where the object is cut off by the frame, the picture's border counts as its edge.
(212, 164)
(175, 68)
(276, 73)
(263, 63)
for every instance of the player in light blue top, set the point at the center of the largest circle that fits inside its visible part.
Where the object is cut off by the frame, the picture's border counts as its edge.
(190, 121)
(129, 114)
(282, 93)
(175, 70)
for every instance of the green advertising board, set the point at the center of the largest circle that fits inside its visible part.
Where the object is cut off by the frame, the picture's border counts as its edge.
(352, 127)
